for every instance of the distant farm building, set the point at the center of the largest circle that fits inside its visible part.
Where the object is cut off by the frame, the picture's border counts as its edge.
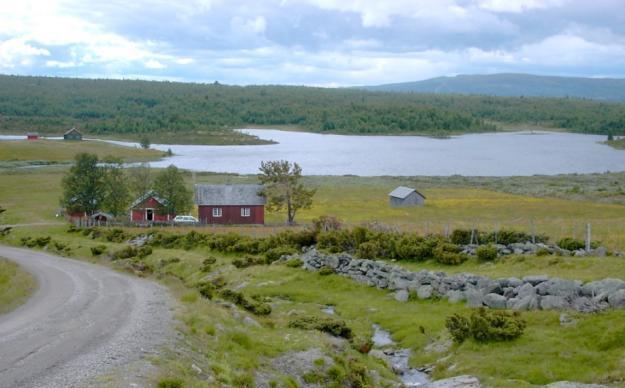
(230, 204)
(72, 134)
(102, 217)
(406, 196)
(150, 208)
(32, 136)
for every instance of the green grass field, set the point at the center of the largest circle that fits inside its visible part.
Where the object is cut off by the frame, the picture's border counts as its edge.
(60, 151)
(216, 339)
(16, 285)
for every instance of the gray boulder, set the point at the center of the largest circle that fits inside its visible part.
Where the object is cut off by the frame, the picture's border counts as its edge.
(552, 302)
(464, 381)
(585, 304)
(529, 302)
(495, 301)
(525, 290)
(401, 296)
(617, 299)
(425, 292)
(455, 296)
(535, 279)
(559, 287)
(605, 286)
(510, 282)
(474, 298)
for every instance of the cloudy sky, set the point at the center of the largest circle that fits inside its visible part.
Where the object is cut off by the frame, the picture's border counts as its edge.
(311, 42)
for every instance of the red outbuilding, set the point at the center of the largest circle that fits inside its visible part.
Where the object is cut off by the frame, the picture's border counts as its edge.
(32, 136)
(150, 208)
(230, 204)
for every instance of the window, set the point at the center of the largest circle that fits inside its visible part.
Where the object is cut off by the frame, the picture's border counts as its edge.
(245, 212)
(216, 212)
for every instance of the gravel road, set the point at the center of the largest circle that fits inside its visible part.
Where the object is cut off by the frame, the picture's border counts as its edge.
(83, 321)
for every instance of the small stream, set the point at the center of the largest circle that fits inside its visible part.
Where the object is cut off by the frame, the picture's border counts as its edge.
(398, 359)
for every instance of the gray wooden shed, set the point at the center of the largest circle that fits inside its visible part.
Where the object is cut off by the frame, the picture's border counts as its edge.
(406, 196)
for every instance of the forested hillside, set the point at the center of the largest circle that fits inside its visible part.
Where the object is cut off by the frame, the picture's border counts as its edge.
(510, 84)
(123, 107)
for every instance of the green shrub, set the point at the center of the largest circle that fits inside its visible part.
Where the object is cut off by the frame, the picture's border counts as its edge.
(326, 224)
(460, 237)
(144, 251)
(42, 241)
(170, 383)
(206, 289)
(325, 271)
(275, 254)
(486, 325)
(486, 252)
(294, 263)
(449, 254)
(125, 253)
(369, 250)
(98, 250)
(571, 244)
(542, 252)
(255, 307)
(248, 261)
(116, 235)
(333, 326)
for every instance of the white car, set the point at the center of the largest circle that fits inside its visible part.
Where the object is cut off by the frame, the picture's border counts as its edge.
(186, 220)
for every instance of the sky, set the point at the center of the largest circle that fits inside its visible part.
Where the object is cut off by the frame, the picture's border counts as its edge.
(310, 42)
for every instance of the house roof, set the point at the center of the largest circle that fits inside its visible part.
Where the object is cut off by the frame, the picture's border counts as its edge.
(144, 197)
(402, 192)
(72, 130)
(209, 195)
(32, 134)
(103, 214)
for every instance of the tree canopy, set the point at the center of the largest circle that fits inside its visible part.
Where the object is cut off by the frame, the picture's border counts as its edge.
(283, 188)
(169, 184)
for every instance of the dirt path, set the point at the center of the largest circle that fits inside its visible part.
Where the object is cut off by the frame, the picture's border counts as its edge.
(83, 321)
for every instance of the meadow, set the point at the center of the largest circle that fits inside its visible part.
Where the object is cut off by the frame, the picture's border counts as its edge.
(59, 151)
(218, 339)
(15, 285)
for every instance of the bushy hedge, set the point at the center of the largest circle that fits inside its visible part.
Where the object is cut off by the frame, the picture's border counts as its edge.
(333, 326)
(486, 325)
(486, 252)
(504, 237)
(449, 254)
(573, 244)
(253, 306)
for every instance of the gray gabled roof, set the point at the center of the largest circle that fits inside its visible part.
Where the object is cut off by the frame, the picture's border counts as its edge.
(402, 192)
(223, 195)
(147, 195)
(73, 129)
(96, 214)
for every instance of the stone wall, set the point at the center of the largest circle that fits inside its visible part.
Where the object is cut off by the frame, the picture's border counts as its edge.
(528, 293)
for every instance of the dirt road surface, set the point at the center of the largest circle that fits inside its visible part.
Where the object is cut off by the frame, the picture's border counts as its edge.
(83, 321)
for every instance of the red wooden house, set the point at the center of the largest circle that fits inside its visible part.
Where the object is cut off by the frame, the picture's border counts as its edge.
(149, 208)
(230, 204)
(32, 136)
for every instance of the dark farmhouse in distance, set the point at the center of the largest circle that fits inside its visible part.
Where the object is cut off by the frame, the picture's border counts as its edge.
(72, 134)
(406, 196)
(230, 204)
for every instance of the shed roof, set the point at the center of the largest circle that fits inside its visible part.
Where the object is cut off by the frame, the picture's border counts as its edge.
(208, 195)
(144, 197)
(103, 214)
(402, 192)
(73, 129)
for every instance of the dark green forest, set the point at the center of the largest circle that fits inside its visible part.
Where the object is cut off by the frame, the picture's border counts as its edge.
(124, 107)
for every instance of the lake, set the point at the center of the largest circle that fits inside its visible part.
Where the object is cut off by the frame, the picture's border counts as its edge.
(490, 154)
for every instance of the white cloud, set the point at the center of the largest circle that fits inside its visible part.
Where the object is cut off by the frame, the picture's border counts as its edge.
(255, 25)
(61, 64)
(154, 64)
(14, 52)
(517, 6)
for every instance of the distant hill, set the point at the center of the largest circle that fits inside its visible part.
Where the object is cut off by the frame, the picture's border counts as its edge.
(606, 89)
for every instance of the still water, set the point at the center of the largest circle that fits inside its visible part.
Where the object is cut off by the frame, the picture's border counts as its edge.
(492, 154)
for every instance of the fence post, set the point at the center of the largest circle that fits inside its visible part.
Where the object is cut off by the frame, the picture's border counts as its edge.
(588, 236)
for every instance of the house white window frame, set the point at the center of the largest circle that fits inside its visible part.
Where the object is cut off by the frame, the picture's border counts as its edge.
(217, 212)
(246, 212)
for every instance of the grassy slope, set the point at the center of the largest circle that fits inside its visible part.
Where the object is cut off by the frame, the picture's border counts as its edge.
(588, 351)
(60, 151)
(15, 285)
